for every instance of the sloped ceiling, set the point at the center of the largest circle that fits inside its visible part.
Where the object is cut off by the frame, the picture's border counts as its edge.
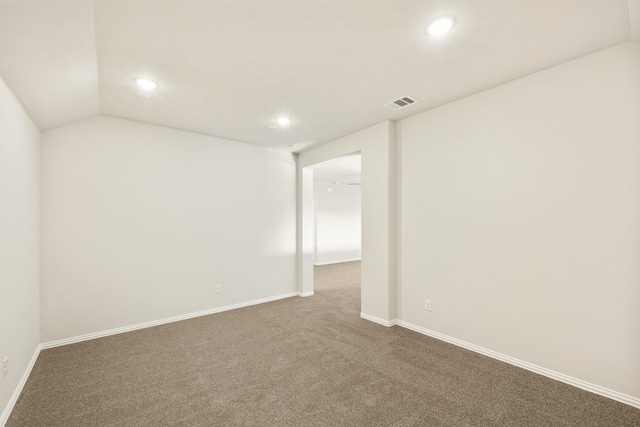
(229, 68)
(48, 58)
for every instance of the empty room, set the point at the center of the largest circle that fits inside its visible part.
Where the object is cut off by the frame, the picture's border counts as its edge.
(319, 213)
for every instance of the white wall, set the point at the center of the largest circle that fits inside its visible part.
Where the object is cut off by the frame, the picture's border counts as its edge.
(141, 222)
(520, 219)
(19, 240)
(377, 145)
(337, 221)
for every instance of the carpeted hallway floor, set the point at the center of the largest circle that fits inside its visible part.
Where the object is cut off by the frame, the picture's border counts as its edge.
(295, 362)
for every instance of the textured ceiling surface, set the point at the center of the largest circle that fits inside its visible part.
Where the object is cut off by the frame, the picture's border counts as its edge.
(229, 68)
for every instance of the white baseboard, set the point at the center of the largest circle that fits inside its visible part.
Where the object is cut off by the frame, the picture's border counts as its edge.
(387, 323)
(337, 262)
(115, 331)
(611, 394)
(14, 397)
(305, 294)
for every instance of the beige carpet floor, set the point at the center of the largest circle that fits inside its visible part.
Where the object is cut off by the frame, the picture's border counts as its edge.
(295, 362)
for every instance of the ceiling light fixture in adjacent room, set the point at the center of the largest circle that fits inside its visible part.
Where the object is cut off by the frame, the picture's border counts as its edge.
(146, 84)
(440, 25)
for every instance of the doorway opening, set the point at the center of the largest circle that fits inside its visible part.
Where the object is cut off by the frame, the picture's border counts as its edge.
(337, 229)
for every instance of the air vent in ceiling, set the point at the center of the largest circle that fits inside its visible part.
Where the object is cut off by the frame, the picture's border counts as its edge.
(399, 103)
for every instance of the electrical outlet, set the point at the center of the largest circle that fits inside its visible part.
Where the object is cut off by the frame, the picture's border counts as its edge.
(427, 304)
(5, 367)
(218, 289)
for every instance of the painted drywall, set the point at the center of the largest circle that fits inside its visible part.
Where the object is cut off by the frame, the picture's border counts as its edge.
(19, 242)
(378, 270)
(141, 222)
(337, 222)
(520, 210)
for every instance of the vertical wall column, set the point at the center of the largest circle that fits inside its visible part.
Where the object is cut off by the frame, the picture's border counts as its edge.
(306, 231)
(377, 145)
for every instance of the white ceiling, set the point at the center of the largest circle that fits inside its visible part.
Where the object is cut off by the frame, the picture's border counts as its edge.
(228, 68)
(48, 58)
(346, 170)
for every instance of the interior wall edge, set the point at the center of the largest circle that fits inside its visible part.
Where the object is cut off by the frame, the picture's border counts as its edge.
(16, 393)
(20, 142)
(379, 321)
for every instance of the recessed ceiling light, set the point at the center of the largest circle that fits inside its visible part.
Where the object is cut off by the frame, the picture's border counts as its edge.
(440, 25)
(292, 145)
(272, 127)
(283, 121)
(146, 84)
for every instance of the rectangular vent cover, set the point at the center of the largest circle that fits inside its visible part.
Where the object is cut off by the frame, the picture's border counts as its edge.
(399, 103)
